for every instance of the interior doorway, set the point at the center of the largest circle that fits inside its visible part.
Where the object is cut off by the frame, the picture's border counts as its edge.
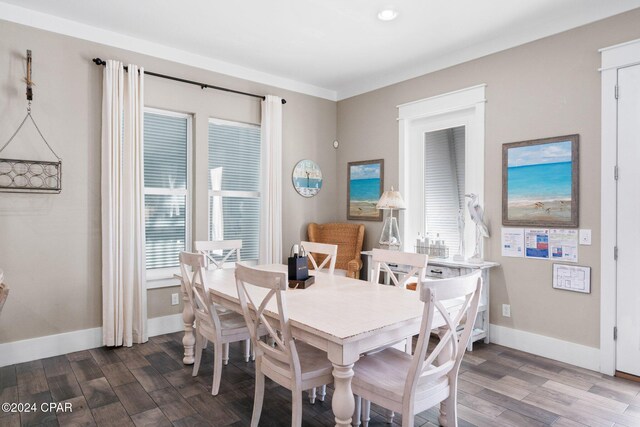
(628, 214)
(620, 206)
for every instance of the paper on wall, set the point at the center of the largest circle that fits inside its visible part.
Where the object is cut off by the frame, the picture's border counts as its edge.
(536, 243)
(563, 244)
(513, 242)
(572, 278)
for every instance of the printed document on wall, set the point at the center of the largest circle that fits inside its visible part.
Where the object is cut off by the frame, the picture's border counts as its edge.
(536, 243)
(572, 278)
(513, 242)
(563, 244)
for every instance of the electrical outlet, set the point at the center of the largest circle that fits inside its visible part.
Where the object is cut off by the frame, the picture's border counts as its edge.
(506, 310)
(175, 300)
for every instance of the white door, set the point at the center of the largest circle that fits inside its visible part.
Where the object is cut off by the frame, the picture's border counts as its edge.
(628, 283)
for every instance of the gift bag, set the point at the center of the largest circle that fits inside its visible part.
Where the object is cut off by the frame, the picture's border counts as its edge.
(298, 264)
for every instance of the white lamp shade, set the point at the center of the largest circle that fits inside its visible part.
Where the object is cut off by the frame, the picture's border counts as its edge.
(391, 199)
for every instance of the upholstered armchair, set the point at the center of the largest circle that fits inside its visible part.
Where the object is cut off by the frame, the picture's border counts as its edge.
(348, 237)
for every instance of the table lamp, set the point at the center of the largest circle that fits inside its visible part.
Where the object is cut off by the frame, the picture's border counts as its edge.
(390, 236)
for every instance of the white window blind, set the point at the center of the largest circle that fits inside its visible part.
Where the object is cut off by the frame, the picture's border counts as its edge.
(234, 182)
(166, 172)
(444, 183)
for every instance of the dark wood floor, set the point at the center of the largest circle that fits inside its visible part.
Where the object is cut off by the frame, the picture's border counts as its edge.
(149, 385)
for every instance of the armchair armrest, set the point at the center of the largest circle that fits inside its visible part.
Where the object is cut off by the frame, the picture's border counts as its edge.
(353, 268)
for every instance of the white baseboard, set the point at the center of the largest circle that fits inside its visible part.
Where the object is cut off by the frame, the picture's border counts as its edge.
(552, 348)
(68, 342)
(165, 325)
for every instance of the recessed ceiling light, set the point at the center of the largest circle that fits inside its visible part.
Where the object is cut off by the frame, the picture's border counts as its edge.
(387, 15)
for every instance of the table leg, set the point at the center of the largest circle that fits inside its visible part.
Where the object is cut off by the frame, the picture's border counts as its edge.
(189, 339)
(343, 402)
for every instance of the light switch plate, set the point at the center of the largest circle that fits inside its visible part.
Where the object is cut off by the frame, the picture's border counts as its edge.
(585, 236)
(175, 299)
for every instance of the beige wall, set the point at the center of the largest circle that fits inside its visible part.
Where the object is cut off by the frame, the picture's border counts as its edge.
(50, 244)
(546, 88)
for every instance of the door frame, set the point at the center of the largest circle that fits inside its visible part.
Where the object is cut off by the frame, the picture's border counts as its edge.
(613, 58)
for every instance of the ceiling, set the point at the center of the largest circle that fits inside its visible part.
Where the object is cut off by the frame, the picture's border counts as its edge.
(328, 48)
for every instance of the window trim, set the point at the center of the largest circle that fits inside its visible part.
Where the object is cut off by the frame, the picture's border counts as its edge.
(163, 277)
(465, 107)
(229, 193)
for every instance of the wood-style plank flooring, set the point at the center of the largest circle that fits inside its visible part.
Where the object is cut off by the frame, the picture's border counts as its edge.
(148, 385)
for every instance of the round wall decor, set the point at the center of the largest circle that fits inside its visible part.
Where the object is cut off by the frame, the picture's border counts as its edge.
(307, 178)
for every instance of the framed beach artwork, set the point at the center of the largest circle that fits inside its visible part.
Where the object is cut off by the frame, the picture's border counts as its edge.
(540, 182)
(365, 181)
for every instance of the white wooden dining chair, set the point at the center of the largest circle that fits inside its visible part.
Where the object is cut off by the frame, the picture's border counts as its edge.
(382, 259)
(294, 365)
(215, 258)
(218, 328)
(322, 253)
(211, 248)
(411, 384)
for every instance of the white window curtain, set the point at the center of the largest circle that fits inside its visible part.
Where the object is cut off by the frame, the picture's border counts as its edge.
(124, 298)
(271, 185)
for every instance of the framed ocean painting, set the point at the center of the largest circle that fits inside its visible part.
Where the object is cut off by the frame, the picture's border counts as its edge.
(540, 182)
(365, 181)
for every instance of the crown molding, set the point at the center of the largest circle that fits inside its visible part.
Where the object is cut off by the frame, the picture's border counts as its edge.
(55, 24)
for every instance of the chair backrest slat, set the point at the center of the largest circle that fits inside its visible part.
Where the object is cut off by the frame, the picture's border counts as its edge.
(256, 290)
(321, 253)
(217, 247)
(383, 258)
(453, 299)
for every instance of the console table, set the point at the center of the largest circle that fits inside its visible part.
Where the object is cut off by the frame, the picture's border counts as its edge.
(438, 268)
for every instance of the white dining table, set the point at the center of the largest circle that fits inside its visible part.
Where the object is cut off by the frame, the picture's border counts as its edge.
(344, 317)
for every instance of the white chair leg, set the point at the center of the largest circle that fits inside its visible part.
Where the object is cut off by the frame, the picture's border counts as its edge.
(258, 396)
(366, 411)
(225, 353)
(312, 396)
(217, 368)
(198, 355)
(247, 349)
(449, 408)
(409, 422)
(408, 345)
(323, 393)
(355, 419)
(296, 402)
(389, 416)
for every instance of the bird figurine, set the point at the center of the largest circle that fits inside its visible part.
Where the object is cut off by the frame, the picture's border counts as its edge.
(477, 215)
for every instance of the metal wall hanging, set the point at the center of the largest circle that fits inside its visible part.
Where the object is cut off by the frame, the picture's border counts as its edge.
(30, 176)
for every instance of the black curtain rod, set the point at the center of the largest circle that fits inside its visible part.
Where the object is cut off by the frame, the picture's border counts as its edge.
(99, 61)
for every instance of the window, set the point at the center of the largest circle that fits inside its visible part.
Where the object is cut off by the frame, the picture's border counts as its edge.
(435, 174)
(234, 182)
(444, 184)
(167, 137)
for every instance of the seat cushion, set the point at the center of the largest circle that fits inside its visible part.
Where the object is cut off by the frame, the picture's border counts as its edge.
(385, 373)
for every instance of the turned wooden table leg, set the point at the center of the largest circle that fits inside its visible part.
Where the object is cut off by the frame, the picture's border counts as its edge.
(189, 339)
(343, 402)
